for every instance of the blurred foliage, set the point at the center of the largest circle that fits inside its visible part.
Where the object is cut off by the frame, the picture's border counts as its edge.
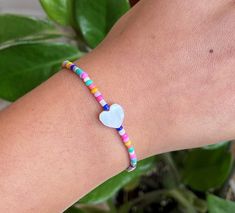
(218, 205)
(29, 70)
(212, 173)
(95, 18)
(32, 50)
(57, 10)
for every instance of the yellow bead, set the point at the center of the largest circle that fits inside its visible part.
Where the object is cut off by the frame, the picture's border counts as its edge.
(128, 143)
(94, 90)
(68, 65)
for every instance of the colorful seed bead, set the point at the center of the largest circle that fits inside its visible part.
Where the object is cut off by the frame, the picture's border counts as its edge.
(72, 67)
(125, 137)
(78, 71)
(122, 132)
(91, 86)
(119, 128)
(106, 107)
(94, 90)
(83, 75)
(98, 96)
(128, 144)
(102, 102)
(133, 160)
(134, 163)
(132, 156)
(86, 79)
(64, 64)
(130, 150)
(88, 82)
(68, 65)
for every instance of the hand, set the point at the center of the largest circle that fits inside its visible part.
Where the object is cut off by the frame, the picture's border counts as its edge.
(176, 60)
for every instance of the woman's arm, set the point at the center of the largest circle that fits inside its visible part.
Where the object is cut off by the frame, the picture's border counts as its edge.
(158, 64)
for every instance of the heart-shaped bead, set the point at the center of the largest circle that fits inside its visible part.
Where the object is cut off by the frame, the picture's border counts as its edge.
(112, 118)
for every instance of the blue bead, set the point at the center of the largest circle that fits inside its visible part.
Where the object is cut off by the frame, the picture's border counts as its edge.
(131, 149)
(134, 160)
(78, 71)
(72, 66)
(106, 107)
(119, 128)
(89, 82)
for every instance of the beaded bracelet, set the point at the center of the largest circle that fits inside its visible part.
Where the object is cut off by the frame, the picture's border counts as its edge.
(112, 116)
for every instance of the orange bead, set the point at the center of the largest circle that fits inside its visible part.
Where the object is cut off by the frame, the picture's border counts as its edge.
(94, 90)
(128, 144)
(68, 65)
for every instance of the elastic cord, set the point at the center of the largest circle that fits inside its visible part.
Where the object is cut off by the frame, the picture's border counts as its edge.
(106, 107)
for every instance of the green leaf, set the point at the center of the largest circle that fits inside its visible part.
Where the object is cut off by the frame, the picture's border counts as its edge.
(111, 186)
(132, 184)
(23, 67)
(57, 10)
(73, 209)
(115, 9)
(215, 146)
(31, 39)
(219, 205)
(207, 169)
(15, 27)
(95, 18)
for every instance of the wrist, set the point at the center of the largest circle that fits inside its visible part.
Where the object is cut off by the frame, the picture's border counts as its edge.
(125, 87)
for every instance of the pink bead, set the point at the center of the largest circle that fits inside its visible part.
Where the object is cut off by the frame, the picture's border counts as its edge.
(125, 137)
(84, 75)
(99, 98)
(132, 155)
(91, 86)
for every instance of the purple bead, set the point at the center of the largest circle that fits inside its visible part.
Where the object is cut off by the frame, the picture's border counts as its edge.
(72, 66)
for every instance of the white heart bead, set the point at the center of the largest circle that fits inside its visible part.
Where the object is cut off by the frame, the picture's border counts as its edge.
(112, 118)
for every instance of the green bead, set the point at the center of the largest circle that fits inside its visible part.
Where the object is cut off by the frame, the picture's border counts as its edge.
(131, 149)
(89, 82)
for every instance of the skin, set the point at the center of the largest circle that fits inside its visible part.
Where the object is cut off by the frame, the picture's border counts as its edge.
(170, 64)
